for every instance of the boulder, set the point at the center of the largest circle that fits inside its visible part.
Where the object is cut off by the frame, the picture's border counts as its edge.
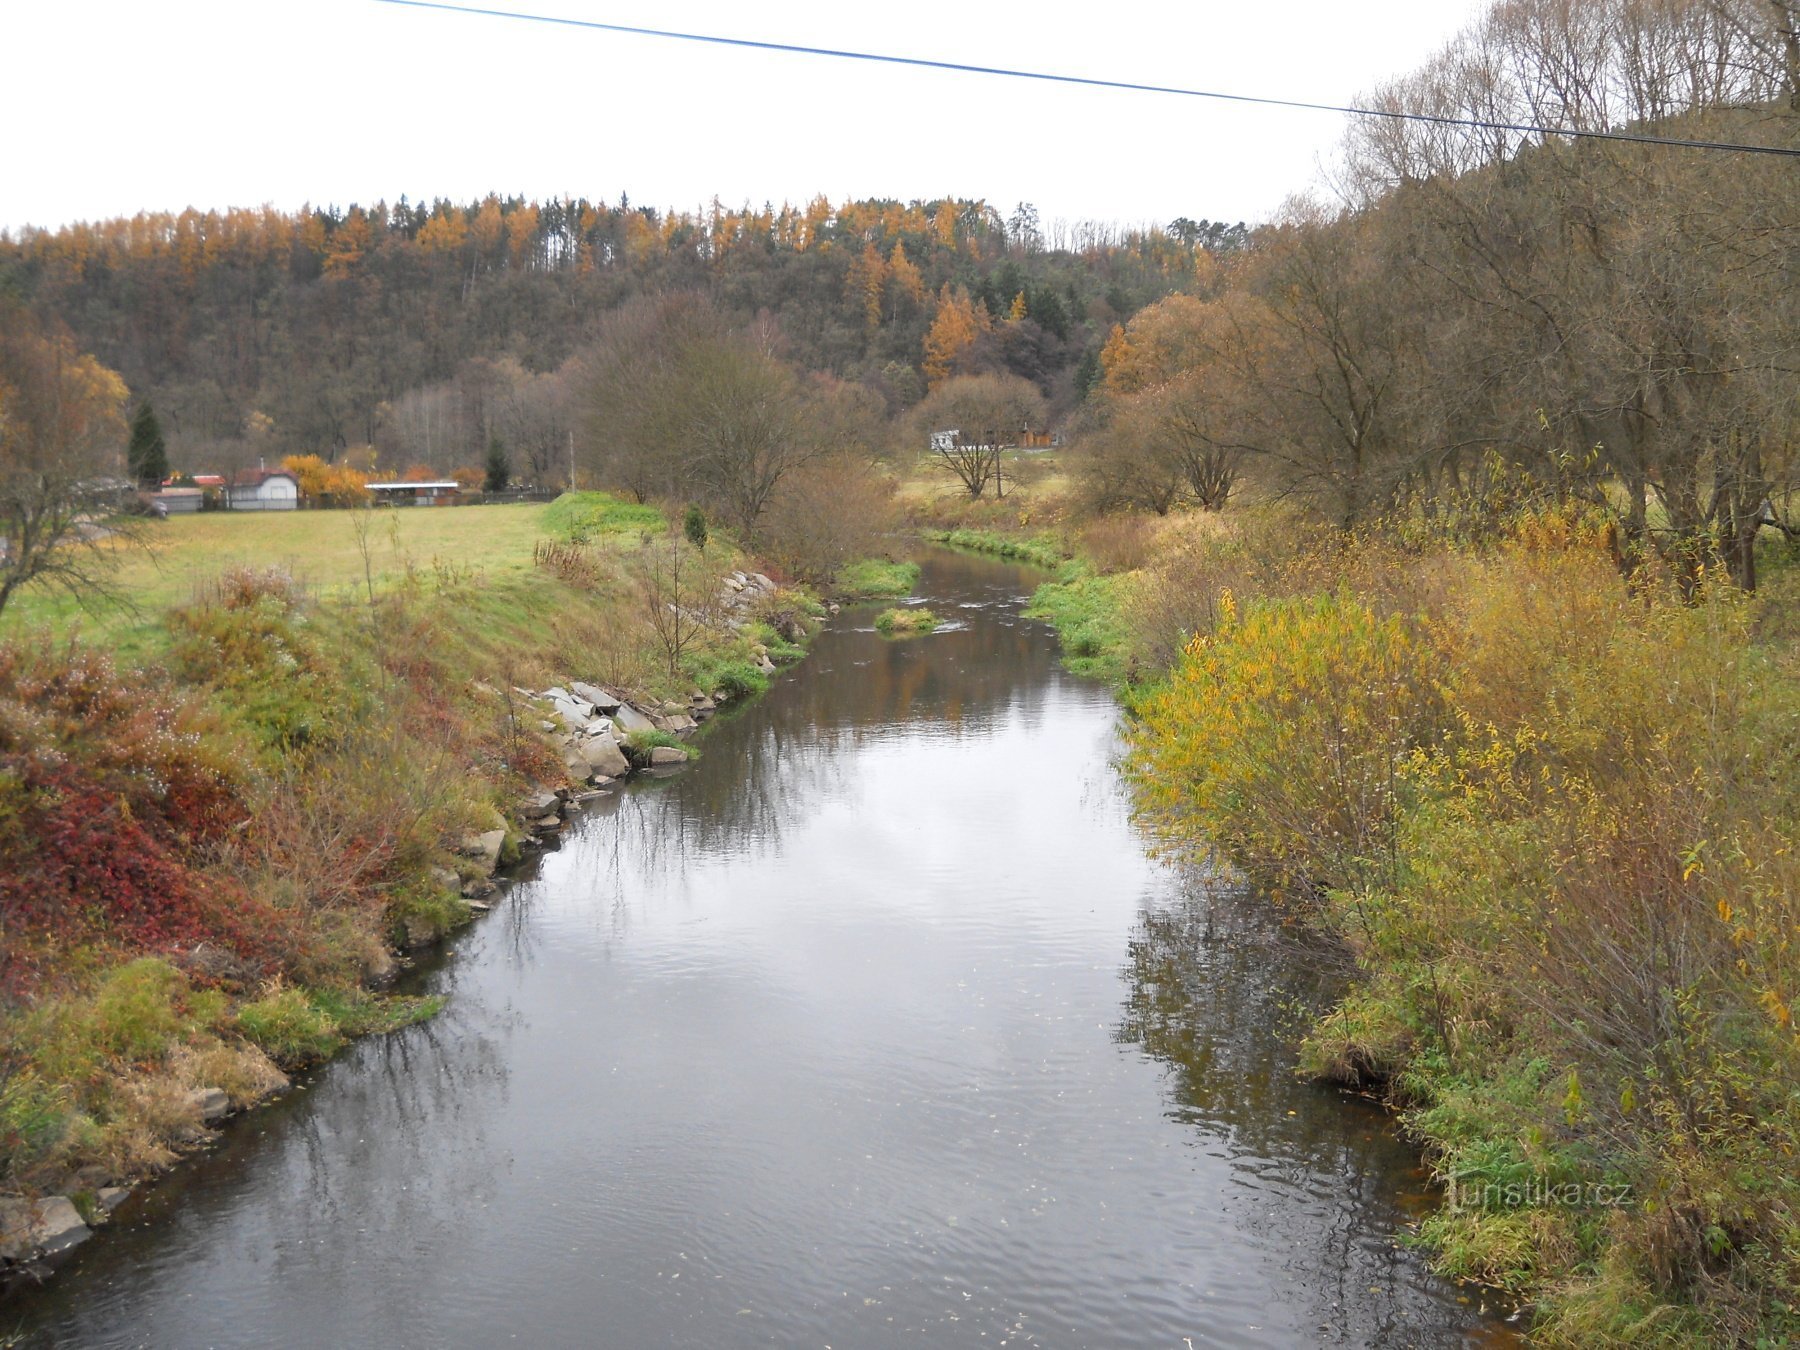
(476, 887)
(765, 665)
(603, 699)
(667, 754)
(547, 824)
(763, 583)
(211, 1103)
(630, 720)
(558, 694)
(539, 804)
(574, 714)
(601, 755)
(485, 848)
(30, 1229)
(681, 724)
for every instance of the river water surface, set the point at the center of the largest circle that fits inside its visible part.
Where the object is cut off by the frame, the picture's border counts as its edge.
(875, 1027)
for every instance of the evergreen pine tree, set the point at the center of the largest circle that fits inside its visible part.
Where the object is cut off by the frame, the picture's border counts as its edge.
(694, 527)
(499, 468)
(147, 456)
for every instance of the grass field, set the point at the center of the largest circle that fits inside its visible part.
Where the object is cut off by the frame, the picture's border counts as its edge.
(185, 554)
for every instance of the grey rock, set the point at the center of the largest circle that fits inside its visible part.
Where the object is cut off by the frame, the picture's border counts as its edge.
(630, 720)
(603, 699)
(211, 1103)
(476, 887)
(445, 878)
(485, 848)
(762, 582)
(766, 666)
(681, 724)
(480, 907)
(539, 804)
(558, 694)
(574, 714)
(36, 1228)
(601, 755)
(667, 754)
(547, 824)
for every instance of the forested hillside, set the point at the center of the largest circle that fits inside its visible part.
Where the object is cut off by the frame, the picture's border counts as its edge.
(428, 331)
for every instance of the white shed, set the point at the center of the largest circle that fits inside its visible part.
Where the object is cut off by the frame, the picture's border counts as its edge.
(263, 490)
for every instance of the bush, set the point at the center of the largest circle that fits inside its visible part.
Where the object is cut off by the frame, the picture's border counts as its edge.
(1277, 739)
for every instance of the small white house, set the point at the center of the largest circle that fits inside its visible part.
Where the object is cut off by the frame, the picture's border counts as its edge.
(263, 490)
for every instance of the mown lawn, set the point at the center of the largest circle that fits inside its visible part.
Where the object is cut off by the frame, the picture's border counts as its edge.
(185, 554)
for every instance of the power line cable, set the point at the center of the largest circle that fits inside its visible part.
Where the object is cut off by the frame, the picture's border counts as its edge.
(1435, 119)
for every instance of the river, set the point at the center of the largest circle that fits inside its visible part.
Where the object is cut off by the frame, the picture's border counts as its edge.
(874, 1027)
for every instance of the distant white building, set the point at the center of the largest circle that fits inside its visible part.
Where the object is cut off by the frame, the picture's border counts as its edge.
(945, 441)
(263, 490)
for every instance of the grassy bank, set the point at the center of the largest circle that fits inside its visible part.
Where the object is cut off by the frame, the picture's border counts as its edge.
(208, 858)
(1550, 817)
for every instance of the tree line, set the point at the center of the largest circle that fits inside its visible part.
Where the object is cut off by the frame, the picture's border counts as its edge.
(430, 331)
(1611, 321)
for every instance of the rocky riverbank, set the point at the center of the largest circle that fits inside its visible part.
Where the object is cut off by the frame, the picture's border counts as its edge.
(224, 1053)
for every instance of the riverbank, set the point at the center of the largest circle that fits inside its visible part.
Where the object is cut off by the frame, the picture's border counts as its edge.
(1548, 818)
(214, 861)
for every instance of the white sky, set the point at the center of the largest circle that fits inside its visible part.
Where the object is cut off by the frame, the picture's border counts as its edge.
(112, 108)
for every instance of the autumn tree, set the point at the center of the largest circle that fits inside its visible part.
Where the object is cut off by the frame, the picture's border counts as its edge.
(61, 421)
(958, 323)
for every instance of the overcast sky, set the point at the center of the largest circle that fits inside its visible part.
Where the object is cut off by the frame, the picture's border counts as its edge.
(111, 108)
